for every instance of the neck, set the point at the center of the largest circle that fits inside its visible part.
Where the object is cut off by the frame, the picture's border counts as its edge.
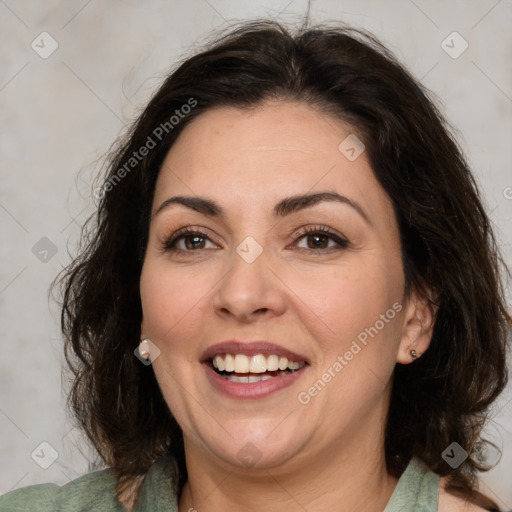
(352, 476)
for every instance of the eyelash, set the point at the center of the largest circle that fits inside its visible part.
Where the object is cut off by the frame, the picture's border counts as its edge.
(169, 243)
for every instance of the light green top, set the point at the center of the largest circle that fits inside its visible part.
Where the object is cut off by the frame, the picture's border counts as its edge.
(416, 491)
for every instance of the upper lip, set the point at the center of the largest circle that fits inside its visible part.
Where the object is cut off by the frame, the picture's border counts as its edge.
(251, 348)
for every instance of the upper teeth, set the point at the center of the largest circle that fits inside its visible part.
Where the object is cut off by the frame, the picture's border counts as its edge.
(241, 363)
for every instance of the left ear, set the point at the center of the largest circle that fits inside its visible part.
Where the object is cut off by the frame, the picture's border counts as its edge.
(417, 330)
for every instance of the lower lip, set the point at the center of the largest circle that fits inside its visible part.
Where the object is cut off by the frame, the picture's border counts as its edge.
(251, 390)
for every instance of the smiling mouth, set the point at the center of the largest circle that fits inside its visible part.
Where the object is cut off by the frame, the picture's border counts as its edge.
(257, 368)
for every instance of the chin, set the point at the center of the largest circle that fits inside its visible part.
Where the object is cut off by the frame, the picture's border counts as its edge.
(255, 448)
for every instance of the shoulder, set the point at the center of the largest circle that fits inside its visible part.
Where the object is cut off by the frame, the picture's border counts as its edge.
(92, 492)
(450, 503)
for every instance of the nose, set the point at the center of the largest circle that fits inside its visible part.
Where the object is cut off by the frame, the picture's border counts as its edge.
(250, 290)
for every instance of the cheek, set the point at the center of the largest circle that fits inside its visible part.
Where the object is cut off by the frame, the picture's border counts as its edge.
(170, 300)
(339, 303)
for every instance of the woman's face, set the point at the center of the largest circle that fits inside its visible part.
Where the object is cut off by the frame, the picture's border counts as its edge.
(269, 276)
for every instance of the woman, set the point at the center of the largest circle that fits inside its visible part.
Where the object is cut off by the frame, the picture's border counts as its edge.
(290, 242)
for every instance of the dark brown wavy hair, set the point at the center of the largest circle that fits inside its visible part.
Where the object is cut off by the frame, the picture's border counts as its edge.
(448, 248)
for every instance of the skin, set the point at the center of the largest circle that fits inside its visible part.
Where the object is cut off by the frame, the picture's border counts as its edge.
(326, 453)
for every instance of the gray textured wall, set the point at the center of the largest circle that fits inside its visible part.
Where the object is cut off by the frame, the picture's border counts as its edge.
(61, 111)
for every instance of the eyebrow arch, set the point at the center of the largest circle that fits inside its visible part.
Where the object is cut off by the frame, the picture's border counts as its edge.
(283, 208)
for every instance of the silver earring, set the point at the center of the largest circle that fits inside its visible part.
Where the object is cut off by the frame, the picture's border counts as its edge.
(144, 349)
(413, 354)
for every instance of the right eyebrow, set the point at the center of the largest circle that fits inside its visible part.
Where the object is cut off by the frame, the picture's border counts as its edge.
(198, 204)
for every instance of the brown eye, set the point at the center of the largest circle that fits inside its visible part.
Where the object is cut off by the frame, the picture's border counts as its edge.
(192, 241)
(317, 241)
(320, 239)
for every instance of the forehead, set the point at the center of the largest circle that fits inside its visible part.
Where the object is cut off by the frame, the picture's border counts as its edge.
(277, 126)
(262, 154)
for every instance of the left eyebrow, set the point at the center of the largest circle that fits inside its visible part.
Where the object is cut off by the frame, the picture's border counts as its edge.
(300, 202)
(283, 208)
